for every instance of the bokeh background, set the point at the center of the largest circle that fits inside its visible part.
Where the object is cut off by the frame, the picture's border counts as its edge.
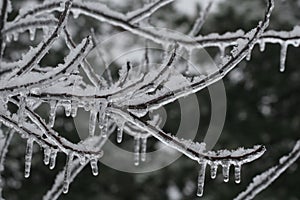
(263, 107)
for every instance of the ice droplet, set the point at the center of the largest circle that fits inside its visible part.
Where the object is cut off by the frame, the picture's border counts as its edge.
(68, 109)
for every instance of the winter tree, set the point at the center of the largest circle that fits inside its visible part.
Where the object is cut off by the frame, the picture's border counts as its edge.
(34, 90)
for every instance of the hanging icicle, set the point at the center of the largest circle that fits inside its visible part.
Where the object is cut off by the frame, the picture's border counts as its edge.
(120, 132)
(47, 152)
(28, 156)
(213, 170)
(283, 53)
(237, 173)
(226, 169)
(68, 109)
(74, 108)
(201, 177)
(53, 156)
(31, 34)
(222, 49)
(144, 149)
(262, 46)
(82, 159)
(92, 122)
(136, 151)
(52, 114)
(67, 173)
(94, 166)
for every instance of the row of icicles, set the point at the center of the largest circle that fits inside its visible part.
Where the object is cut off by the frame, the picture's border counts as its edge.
(213, 171)
(50, 154)
(262, 44)
(140, 143)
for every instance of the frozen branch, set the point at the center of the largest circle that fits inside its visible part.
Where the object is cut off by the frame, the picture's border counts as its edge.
(265, 179)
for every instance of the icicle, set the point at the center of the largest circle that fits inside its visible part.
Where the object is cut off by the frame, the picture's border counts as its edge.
(15, 36)
(82, 160)
(136, 151)
(144, 149)
(53, 155)
(213, 170)
(283, 52)
(262, 46)
(53, 107)
(222, 50)
(105, 125)
(68, 109)
(226, 169)
(120, 133)
(201, 177)
(74, 109)
(237, 173)
(92, 122)
(94, 166)
(75, 14)
(47, 152)
(67, 173)
(248, 57)
(31, 34)
(28, 157)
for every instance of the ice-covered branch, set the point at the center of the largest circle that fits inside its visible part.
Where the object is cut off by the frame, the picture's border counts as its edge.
(140, 14)
(37, 80)
(35, 55)
(76, 167)
(201, 20)
(4, 143)
(196, 151)
(265, 179)
(4, 9)
(12, 29)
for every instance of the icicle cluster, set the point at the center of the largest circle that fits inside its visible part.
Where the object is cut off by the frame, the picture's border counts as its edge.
(226, 160)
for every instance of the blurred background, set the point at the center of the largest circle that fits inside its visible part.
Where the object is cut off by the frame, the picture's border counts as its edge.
(263, 107)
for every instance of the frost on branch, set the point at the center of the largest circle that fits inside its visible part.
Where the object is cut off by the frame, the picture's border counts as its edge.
(115, 105)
